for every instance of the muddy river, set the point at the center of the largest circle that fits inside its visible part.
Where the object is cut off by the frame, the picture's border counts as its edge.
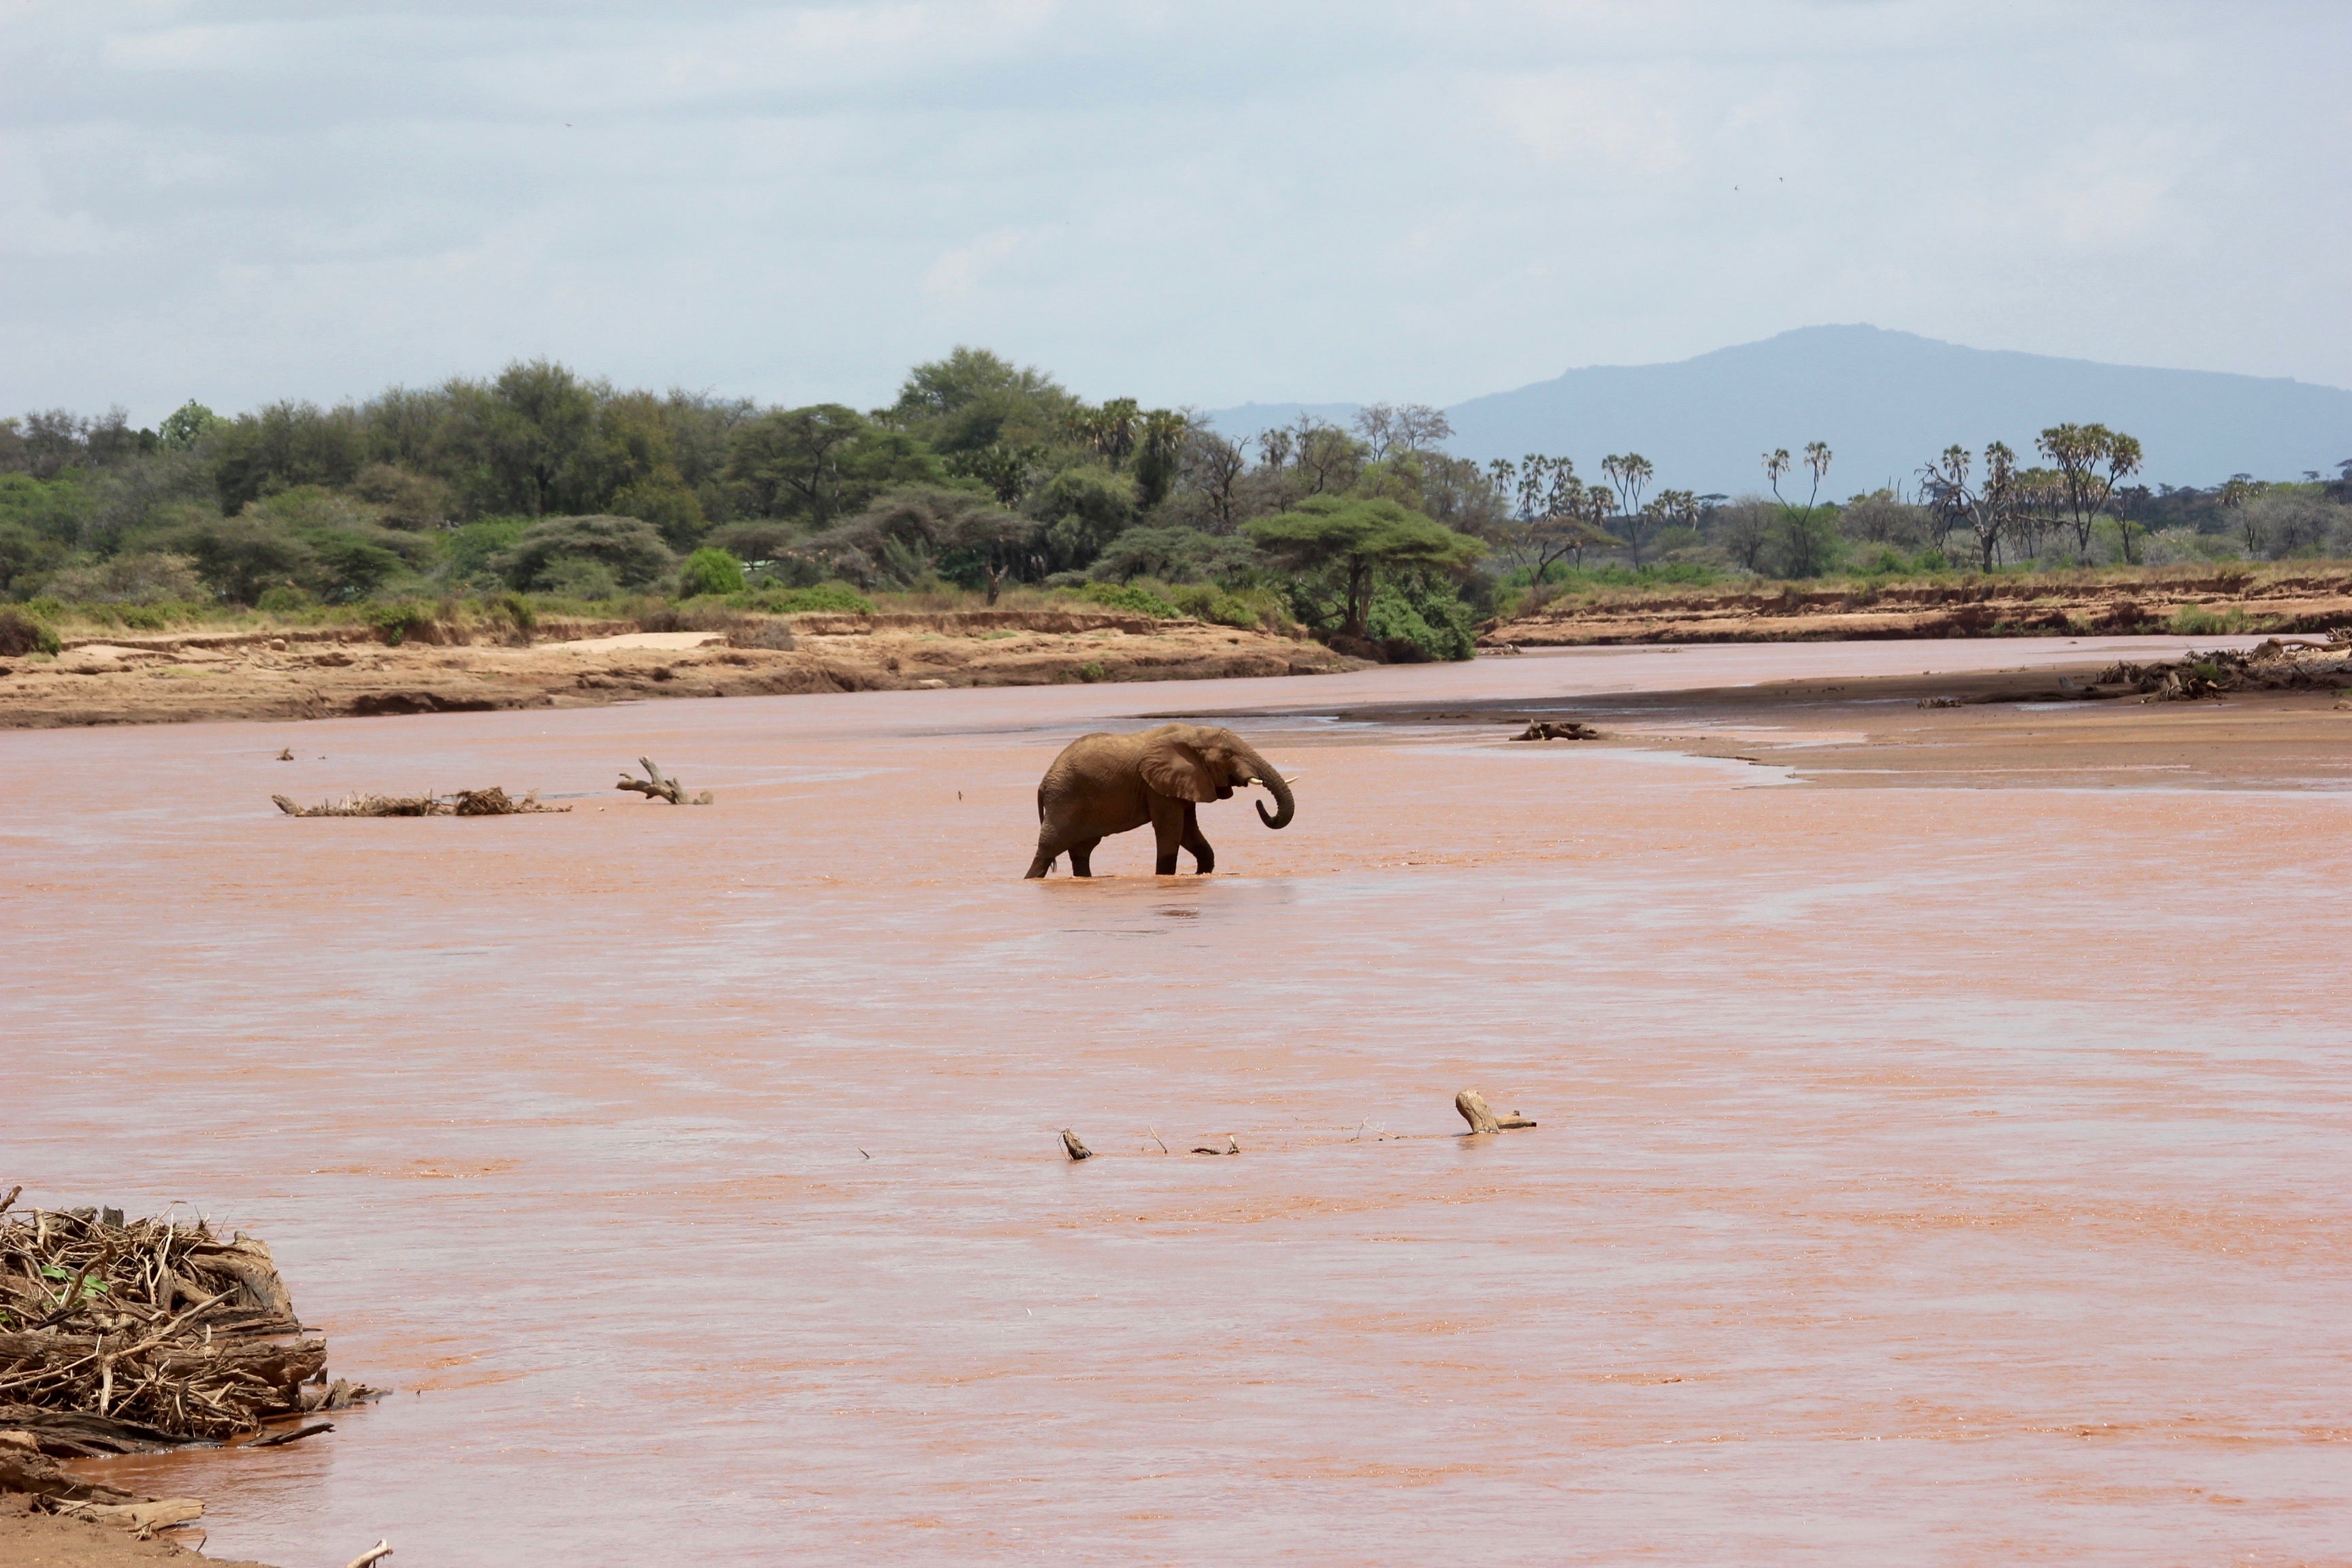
(1924, 1174)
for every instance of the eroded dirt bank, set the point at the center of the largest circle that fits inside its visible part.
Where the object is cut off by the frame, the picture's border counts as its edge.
(2275, 600)
(1925, 1173)
(163, 679)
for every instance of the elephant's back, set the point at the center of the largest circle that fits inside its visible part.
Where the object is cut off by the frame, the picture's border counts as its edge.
(1099, 769)
(1098, 760)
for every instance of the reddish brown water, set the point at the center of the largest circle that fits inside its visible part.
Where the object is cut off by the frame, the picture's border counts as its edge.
(1924, 1175)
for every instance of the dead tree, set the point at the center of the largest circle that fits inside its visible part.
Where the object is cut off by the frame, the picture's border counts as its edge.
(653, 787)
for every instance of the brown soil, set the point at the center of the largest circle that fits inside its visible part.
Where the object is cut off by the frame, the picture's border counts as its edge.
(30, 1539)
(349, 673)
(2308, 601)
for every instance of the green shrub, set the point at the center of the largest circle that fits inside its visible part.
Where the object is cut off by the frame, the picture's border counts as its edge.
(475, 548)
(139, 577)
(1092, 671)
(709, 571)
(21, 633)
(1221, 606)
(1413, 622)
(396, 623)
(825, 598)
(578, 578)
(627, 549)
(283, 600)
(1135, 599)
(517, 612)
(149, 618)
(2197, 621)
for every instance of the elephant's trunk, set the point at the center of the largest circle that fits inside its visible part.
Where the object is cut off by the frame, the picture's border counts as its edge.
(1278, 787)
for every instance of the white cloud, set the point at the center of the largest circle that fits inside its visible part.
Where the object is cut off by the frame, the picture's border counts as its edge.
(1565, 115)
(1207, 203)
(957, 276)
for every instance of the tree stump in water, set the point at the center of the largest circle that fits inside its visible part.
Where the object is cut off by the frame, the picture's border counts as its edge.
(1480, 1116)
(1079, 1151)
(653, 787)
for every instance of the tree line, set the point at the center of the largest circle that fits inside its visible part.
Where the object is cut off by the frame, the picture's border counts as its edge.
(983, 475)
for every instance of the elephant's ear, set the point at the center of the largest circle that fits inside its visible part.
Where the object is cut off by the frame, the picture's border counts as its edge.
(1175, 769)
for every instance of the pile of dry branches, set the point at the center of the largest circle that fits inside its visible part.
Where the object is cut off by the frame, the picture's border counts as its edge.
(2271, 666)
(120, 1336)
(491, 802)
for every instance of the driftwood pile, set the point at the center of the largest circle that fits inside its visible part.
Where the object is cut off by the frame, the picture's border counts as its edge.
(121, 1336)
(1557, 729)
(491, 802)
(2269, 666)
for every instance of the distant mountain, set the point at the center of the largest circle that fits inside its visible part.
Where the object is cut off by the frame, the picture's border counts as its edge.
(1886, 403)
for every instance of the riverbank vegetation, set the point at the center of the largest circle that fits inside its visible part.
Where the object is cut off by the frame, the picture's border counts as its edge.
(540, 493)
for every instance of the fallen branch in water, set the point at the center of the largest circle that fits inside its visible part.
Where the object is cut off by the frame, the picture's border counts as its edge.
(491, 802)
(653, 787)
(1078, 1148)
(380, 1551)
(1480, 1116)
(1549, 730)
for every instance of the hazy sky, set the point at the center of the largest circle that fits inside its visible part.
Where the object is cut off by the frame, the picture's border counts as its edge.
(1196, 202)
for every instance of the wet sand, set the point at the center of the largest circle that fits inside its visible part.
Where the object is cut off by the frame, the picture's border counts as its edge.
(1927, 1173)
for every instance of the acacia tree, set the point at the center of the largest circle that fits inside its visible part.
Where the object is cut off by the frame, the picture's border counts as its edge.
(1357, 539)
(822, 462)
(2091, 460)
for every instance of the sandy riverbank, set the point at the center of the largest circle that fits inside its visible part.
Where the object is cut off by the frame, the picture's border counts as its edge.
(318, 675)
(2275, 599)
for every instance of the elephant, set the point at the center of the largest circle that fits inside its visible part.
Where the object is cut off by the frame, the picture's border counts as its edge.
(1104, 783)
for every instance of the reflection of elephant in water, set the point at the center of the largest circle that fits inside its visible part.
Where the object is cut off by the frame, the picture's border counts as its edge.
(1103, 784)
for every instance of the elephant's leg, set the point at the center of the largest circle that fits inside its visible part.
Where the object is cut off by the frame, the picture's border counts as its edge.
(1168, 828)
(1082, 858)
(1204, 859)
